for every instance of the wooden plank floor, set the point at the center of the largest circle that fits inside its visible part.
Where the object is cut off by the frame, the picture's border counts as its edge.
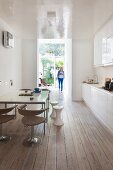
(83, 143)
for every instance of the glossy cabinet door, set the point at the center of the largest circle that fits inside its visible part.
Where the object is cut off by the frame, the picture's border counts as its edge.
(101, 103)
(99, 100)
(94, 99)
(107, 30)
(103, 45)
(110, 111)
(98, 49)
(109, 50)
(86, 94)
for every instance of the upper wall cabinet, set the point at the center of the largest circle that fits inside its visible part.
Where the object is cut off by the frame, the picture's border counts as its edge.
(107, 54)
(98, 49)
(103, 45)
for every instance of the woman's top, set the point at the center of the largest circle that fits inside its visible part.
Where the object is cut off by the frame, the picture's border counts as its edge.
(60, 74)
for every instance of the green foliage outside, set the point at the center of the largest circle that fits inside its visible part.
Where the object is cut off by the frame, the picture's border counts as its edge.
(49, 77)
(59, 64)
(55, 49)
(46, 64)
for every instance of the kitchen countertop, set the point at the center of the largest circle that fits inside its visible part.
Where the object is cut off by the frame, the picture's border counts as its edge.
(99, 87)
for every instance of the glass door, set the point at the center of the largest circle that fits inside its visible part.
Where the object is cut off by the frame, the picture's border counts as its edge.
(51, 58)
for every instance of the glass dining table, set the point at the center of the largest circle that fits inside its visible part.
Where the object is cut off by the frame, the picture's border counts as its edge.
(18, 97)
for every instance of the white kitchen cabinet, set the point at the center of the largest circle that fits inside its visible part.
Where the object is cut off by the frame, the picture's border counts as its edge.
(86, 93)
(103, 45)
(100, 102)
(108, 57)
(98, 49)
(110, 111)
(94, 99)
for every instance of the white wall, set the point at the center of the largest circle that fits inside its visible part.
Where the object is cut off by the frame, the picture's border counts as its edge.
(68, 68)
(29, 63)
(82, 53)
(18, 64)
(10, 62)
(82, 65)
(103, 11)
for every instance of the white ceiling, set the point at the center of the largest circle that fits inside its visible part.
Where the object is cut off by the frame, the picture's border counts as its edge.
(30, 17)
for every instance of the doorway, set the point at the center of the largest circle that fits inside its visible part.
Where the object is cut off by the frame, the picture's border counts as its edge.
(51, 58)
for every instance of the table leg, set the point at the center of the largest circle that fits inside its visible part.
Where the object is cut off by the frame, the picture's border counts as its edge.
(5, 105)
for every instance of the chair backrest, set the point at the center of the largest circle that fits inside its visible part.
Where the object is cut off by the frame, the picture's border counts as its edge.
(43, 82)
(6, 110)
(26, 112)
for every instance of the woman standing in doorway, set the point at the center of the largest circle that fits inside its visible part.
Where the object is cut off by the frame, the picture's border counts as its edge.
(60, 77)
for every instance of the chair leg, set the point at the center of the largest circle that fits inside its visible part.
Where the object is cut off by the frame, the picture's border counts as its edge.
(32, 131)
(47, 115)
(15, 111)
(44, 128)
(32, 139)
(2, 137)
